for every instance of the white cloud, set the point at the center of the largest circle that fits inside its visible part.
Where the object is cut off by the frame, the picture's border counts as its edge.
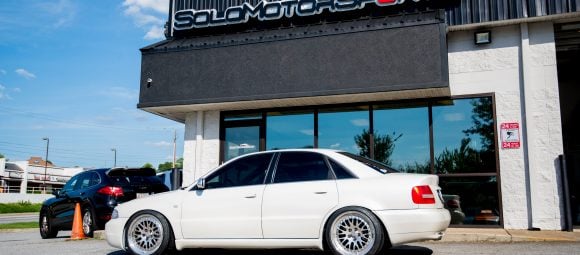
(453, 117)
(155, 33)
(63, 12)
(25, 74)
(335, 146)
(149, 15)
(307, 131)
(2, 71)
(160, 144)
(17, 90)
(360, 122)
(120, 92)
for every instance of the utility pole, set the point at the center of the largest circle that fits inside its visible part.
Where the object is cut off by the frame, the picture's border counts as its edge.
(115, 160)
(45, 164)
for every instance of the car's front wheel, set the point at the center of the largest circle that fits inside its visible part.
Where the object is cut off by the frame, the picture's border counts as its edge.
(354, 231)
(148, 233)
(45, 226)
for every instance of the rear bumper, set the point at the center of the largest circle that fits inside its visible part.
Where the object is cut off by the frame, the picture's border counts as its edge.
(114, 232)
(404, 226)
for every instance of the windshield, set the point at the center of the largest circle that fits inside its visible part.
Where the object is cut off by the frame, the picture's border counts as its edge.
(371, 163)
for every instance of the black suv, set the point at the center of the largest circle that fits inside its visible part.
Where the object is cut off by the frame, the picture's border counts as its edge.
(98, 191)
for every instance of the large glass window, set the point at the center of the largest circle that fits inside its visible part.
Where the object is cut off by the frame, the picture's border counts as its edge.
(250, 170)
(241, 140)
(344, 129)
(471, 200)
(463, 133)
(289, 130)
(401, 137)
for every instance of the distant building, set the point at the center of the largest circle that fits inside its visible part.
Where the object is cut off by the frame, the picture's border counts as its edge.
(29, 176)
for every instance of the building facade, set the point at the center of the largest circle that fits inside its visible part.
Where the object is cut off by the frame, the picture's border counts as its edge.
(33, 176)
(480, 92)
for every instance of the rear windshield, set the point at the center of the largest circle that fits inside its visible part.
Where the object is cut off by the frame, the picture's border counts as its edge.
(123, 177)
(380, 167)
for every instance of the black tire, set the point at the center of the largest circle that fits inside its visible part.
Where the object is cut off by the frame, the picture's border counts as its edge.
(88, 220)
(45, 225)
(354, 230)
(148, 232)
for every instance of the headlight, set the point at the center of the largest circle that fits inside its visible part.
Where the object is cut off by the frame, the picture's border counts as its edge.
(115, 214)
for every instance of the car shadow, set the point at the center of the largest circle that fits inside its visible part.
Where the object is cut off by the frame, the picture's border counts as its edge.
(399, 250)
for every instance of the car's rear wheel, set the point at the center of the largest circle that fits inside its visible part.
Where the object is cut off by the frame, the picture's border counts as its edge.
(354, 231)
(148, 233)
(88, 222)
(45, 226)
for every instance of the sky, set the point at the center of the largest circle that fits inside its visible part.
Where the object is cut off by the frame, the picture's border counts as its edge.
(69, 71)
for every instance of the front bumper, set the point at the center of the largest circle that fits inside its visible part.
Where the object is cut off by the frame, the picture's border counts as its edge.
(114, 232)
(405, 226)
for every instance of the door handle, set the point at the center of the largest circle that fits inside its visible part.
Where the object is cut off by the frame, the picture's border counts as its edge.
(251, 196)
(320, 192)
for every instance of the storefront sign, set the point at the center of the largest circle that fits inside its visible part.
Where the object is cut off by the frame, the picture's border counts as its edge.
(266, 10)
(510, 135)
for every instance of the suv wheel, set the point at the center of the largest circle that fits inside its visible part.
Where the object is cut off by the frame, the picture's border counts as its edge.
(88, 222)
(45, 226)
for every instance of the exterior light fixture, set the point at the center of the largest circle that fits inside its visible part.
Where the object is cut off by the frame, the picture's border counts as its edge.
(149, 81)
(483, 37)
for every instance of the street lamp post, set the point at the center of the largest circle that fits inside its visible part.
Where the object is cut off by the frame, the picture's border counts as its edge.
(45, 162)
(115, 153)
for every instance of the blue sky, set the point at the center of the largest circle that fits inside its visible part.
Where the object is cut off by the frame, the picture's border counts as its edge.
(69, 71)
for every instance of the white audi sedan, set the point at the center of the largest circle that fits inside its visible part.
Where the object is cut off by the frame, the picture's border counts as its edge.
(306, 198)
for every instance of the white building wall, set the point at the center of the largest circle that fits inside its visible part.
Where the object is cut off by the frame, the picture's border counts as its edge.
(201, 144)
(497, 68)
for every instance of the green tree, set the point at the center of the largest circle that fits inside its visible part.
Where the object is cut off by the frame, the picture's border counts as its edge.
(147, 165)
(169, 165)
(1, 156)
(384, 145)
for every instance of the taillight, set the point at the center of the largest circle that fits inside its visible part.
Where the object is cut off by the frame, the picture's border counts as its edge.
(422, 195)
(111, 191)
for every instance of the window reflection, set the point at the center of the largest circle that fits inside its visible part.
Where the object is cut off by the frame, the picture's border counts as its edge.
(463, 133)
(471, 200)
(402, 137)
(338, 128)
(240, 141)
(289, 130)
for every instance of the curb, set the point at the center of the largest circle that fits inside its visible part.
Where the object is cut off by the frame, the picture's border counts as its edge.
(507, 236)
(99, 235)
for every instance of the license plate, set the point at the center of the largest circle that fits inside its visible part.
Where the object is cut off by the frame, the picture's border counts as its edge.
(141, 195)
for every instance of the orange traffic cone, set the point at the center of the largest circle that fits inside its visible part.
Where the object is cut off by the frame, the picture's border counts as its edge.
(77, 227)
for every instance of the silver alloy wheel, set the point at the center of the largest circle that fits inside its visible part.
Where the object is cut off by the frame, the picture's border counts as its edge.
(44, 224)
(352, 233)
(87, 222)
(145, 234)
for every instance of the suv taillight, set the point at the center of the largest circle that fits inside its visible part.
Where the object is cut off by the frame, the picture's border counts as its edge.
(111, 191)
(422, 195)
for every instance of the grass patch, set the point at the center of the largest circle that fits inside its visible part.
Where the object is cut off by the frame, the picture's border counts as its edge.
(18, 225)
(20, 207)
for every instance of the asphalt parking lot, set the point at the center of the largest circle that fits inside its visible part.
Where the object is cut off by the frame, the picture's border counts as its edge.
(24, 242)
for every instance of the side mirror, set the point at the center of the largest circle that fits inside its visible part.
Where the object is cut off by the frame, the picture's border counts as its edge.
(200, 185)
(55, 192)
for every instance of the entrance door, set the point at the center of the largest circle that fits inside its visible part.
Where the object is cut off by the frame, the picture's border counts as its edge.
(568, 59)
(241, 137)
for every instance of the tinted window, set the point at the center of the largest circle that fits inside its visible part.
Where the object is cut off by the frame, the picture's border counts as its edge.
(249, 170)
(339, 171)
(289, 130)
(301, 166)
(71, 183)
